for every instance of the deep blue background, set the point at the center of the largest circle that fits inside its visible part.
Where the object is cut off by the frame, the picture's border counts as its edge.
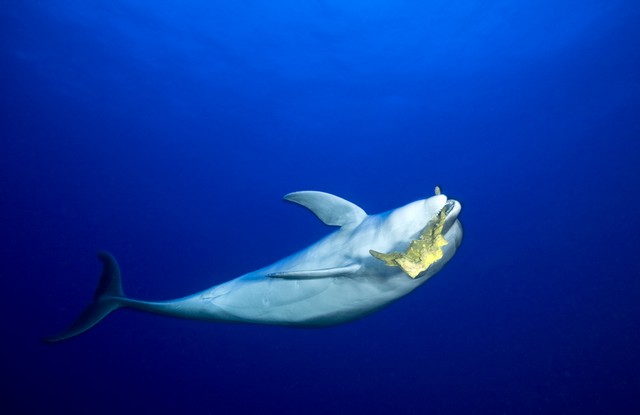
(167, 131)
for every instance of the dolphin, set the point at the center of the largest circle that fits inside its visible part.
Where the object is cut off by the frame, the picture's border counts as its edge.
(366, 264)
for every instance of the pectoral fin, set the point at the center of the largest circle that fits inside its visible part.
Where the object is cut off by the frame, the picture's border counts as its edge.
(316, 273)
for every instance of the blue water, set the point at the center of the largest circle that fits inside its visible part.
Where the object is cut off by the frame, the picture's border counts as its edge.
(167, 132)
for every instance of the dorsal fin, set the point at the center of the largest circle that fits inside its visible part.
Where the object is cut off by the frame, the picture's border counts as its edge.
(330, 209)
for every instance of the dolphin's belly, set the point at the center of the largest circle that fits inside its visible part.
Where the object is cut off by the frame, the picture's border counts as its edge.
(316, 302)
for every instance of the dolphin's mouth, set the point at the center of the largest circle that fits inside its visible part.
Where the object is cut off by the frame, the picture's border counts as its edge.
(448, 207)
(451, 210)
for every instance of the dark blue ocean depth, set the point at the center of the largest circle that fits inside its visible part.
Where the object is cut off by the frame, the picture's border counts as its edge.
(167, 132)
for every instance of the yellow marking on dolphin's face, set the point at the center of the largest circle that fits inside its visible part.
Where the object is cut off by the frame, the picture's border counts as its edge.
(422, 252)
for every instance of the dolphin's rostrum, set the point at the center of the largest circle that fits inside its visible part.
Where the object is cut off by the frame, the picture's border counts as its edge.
(368, 263)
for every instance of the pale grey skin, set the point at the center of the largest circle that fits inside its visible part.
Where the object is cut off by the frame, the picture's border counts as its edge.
(333, 281)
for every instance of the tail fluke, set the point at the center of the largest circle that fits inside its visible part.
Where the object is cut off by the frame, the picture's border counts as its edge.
(107, 298)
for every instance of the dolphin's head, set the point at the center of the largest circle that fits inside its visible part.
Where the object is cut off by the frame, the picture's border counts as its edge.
(421, 236)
